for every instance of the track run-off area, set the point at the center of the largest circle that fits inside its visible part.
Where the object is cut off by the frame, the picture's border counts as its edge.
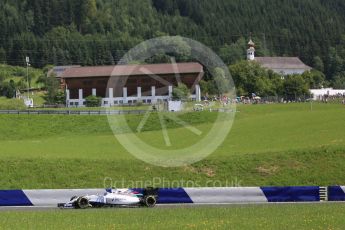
(269, 145)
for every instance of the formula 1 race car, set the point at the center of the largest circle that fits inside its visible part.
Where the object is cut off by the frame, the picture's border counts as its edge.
(114, 198)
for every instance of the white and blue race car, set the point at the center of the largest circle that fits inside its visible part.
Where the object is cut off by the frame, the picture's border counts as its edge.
(114, 198)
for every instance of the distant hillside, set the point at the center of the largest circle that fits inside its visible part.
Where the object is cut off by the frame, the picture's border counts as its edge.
(19, 76)
(97, 32)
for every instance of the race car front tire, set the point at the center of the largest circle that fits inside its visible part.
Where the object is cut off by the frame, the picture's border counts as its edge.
(82, 203)
(149, 201)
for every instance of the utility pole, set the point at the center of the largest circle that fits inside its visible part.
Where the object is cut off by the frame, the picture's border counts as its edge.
(27, 73)
(264, 41)
(28, 101)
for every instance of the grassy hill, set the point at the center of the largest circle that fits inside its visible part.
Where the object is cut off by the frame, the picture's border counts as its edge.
(285, 144)
(280, 144)
(19, 76)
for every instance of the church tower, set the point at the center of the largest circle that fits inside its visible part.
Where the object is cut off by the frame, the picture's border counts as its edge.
(251, 51)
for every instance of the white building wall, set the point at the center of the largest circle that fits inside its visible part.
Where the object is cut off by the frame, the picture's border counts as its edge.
(319, 93)
(139, 92)
(251, 54)
(111, 92)
(125, 100)
(174, 106)
(67, 95)
(153, 94)
(114, 101)
(197, 93)
(289, 71)
(80, 99)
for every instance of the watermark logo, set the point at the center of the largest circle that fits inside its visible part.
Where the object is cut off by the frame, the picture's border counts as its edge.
(162, 182)
(179, 122)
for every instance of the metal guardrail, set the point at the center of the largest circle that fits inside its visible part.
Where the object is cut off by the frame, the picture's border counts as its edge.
(90, 112)
(73, 112)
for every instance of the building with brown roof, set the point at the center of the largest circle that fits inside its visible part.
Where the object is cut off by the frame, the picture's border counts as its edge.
(128, 84)
(281, 65)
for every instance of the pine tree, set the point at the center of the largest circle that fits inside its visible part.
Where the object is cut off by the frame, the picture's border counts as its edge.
(2, 55)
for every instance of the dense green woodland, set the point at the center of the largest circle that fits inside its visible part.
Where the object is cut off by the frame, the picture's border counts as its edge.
(99, 32)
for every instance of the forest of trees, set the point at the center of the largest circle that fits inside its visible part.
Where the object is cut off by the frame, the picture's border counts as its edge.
(99, 32)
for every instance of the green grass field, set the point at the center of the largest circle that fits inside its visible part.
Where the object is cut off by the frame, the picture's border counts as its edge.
(268, 145)
(282, 216)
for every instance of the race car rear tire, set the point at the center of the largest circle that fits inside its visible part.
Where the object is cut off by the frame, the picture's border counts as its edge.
(82, 203)
(150, 201)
